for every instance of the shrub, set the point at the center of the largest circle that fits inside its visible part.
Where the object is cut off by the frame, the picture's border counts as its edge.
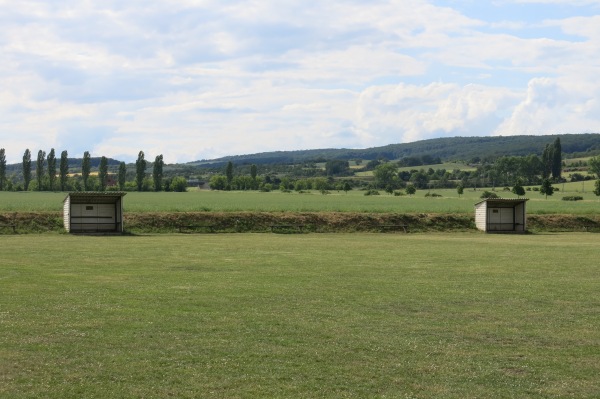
(489, 194)
(179, 184)
(371, 192)
(432, 195)
(398, 193)
(572, 198)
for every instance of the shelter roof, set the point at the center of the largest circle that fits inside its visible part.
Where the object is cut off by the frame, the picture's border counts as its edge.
(95, 197)
(503, 201)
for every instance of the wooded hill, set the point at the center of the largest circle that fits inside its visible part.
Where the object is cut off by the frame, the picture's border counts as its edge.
(447, 149)
(467, 149)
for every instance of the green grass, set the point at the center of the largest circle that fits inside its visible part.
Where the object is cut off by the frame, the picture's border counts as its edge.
(353, 201)
(279, 316)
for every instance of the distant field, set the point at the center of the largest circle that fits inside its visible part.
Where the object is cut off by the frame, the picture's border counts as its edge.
(449, 166)
(353, 201)
(265, 316)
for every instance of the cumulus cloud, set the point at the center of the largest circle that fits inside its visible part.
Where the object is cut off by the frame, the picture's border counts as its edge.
(406, 113)
(197, 79)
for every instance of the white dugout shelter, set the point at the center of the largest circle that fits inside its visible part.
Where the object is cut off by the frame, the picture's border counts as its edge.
(501, 215)
(93, 212)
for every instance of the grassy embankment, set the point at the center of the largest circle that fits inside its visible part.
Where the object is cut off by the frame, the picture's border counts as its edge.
(338, 211)
(441, 315)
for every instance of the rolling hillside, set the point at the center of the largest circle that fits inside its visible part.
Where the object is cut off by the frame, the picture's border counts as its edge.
(447, 149)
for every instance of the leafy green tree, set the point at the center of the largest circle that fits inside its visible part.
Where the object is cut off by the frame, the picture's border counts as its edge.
(518, 189)
(594, 166)
(597, 188)
(419, 179)
(103, 173)
(321, 184)
(26, 169)
(547, 188)
(336, 167)
(51, 169)
(179, 184)
(86, 166)
(218, 182)
(460, 189)
(2, 168)
(157, 172)
(122, 175)
(346, 187)
(39, 171)
(300, 185)
(140, 171)
(64, 169)
(411, 189)
(386, 175)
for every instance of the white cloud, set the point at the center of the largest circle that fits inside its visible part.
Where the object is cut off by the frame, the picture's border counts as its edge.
(204, 78)
(554, 106)
(406, 113)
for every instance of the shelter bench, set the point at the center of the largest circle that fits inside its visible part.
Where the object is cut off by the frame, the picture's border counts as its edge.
(12, 226)
(190, 227)
(388, 227)
(282, 227)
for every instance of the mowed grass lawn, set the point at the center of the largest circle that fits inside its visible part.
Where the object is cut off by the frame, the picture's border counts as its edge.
(287, 316)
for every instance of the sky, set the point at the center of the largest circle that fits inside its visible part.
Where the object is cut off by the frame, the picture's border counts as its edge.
(201, 79)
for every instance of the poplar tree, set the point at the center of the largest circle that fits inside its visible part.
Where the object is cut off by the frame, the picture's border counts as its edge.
(157, 172)
(2, 168)
(547, 160)
(122, 177)
(229, 174)
(85, 169)
(140, 170)
(52, 168)
(103, 172)
(63, 169)
(26, 169)
(253, 173)
(556, 159)
(39, 171)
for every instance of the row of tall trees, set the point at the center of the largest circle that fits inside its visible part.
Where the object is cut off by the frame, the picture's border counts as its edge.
(46, 173)
(42, 162)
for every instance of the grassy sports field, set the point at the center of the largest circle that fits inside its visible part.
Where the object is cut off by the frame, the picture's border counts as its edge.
(463, 315)
(353, 201)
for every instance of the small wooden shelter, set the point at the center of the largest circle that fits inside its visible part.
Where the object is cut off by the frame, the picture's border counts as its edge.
(93, 212)
(501, 215)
